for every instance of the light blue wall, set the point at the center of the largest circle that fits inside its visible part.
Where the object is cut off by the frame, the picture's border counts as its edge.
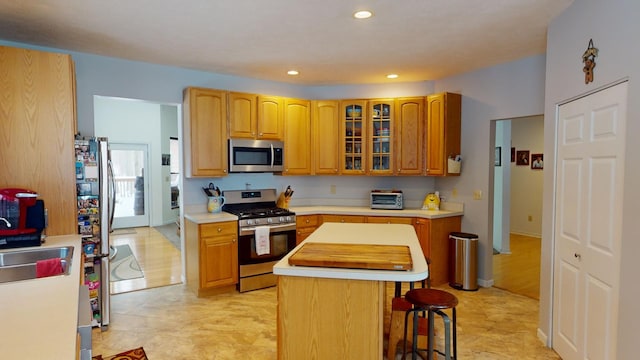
(501, 92)
(506, 91)
(614, 27)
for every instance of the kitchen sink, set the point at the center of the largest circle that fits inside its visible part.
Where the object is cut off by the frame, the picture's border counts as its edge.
(19, 265)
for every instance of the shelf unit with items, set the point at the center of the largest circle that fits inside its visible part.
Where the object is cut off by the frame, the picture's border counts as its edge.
(380, 139)
(353, 134)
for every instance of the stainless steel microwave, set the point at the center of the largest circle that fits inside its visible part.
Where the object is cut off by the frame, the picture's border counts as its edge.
(387, 199)
(255, 155)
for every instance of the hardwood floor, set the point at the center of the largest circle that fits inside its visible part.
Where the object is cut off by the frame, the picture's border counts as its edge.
(519, 272)
(158, 258)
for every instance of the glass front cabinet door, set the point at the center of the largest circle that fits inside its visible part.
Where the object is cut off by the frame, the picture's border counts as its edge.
(353, 132)
(380, 124)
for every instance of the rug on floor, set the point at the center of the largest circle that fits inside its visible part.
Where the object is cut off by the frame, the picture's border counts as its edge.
(133, 354)
(124, 265)
(170, 232)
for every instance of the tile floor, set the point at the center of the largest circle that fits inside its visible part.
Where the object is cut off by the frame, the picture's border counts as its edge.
(172, 323)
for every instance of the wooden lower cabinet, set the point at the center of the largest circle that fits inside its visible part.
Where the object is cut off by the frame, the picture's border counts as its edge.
(322, 318)
(389, 220)
(433, 235)
(211, 257)
(305, 225)
(343, 218)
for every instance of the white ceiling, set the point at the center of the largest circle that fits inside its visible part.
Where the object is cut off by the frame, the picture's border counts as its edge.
(417, 39)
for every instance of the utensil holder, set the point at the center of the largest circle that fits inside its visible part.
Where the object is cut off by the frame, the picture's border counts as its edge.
(214, 205)
(453, 166)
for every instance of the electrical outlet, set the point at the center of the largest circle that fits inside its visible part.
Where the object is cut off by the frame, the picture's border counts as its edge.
(530, 218)
(477, 194)
(454, 193)
(332, 189)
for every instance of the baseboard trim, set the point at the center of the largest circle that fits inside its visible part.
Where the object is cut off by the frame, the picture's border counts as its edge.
(485, 283)
(543, 338)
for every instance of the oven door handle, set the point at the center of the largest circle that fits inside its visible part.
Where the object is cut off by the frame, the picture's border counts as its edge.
(252, 230)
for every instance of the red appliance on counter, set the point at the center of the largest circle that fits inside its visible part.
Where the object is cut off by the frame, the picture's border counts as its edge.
(22, 218)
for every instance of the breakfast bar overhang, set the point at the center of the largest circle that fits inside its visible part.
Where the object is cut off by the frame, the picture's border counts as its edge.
(337, 313)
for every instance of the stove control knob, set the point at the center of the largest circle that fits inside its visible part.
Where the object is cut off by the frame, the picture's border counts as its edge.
(269, 220)
(249, 222)
(257, 221)
(281, 219)
(288, 218)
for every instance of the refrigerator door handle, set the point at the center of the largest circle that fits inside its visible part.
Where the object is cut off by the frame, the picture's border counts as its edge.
(112, 195)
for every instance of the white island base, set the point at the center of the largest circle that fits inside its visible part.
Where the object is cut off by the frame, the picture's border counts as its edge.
(336, 313)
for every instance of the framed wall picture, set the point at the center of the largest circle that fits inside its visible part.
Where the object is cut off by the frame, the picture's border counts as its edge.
(537, 161)
(498, 157)
(522, 157)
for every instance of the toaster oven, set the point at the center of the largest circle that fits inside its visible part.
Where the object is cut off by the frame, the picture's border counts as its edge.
(386, 199)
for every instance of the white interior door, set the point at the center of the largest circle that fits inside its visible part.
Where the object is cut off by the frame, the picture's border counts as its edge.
(130, 169)
(588, 209)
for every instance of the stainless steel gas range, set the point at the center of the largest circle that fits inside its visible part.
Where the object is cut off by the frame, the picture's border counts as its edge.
(266, 233)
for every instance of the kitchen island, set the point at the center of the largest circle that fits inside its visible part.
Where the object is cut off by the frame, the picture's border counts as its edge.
(337, 313)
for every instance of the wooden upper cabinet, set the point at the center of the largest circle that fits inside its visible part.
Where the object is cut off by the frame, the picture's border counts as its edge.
(443, 131)
(37, 127)
(326, 139)
(409, 130)
(380, 137)
(270, 124)
(205, 126)
(297, 141)
(243, 115)
(254, 116)
(353, 137)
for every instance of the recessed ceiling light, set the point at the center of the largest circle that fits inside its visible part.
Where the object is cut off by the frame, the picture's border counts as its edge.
(362, 14)
(293, 72)
(392, 76)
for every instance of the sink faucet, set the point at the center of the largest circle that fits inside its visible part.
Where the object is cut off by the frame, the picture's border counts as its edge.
(6, 222)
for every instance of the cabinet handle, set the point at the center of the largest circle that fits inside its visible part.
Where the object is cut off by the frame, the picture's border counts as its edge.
(260, 134)
(234, 240)
(341, 220)
(219, 229)
(308, 221)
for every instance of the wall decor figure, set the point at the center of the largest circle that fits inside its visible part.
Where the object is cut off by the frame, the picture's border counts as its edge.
(589, 60)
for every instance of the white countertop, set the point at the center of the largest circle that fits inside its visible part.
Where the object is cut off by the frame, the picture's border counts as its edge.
(205, 217)
(40, 316)
(365, 211)
(199, 216)
(347, 233)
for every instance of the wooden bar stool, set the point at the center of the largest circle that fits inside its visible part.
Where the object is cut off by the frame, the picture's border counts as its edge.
(432, 301)
(399, 306)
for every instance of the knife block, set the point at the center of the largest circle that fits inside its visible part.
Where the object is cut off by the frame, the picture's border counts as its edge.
(283, 202)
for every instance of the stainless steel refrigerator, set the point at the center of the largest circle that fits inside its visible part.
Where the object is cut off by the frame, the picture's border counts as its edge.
(95, 190)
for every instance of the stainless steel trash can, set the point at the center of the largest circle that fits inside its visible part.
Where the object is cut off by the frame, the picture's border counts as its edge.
(463, 269)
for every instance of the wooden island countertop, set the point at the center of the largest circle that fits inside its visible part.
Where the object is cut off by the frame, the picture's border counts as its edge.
(338, 313)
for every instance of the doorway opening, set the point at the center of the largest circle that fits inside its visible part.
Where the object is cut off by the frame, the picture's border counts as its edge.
(143, 136)
(517, 205)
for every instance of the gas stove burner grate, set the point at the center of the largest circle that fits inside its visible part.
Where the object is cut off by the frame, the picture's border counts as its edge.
(262, 212)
